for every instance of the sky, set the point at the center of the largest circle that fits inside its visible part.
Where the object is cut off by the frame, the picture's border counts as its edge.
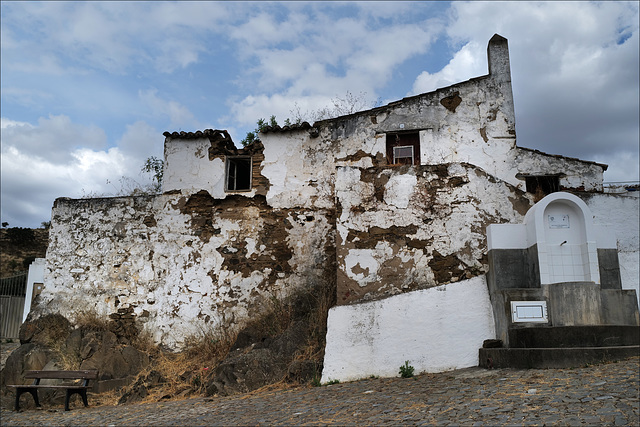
(88, 88)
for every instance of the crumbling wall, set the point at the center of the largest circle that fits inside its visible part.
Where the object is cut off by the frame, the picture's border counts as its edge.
(195, 161)
(480, 130)
(574, 174)
(184, 263)
(405, 228)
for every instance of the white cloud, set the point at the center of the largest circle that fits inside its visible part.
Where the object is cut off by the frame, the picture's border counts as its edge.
(623, 166)
(574, 68)
(178, 114)
(312, 58)
(35, 170)
(53, 138)
(141, 141)
(112, 36)
(465, 64)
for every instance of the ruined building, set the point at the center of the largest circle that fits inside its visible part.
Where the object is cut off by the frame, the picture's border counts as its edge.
(390, 207)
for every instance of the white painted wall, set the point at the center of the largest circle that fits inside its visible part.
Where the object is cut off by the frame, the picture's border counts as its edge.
(188, 169)
(436, 329)
(620, 214)
(36, 275)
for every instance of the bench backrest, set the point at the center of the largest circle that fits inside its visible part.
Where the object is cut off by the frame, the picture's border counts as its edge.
(63, 375)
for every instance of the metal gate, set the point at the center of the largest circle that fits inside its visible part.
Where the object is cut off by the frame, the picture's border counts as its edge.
(12, 294)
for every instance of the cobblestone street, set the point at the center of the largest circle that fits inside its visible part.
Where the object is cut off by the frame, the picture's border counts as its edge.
(595, 395)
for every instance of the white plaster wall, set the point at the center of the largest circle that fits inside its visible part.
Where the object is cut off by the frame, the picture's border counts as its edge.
(299, 169)
(575, 174)
(437, 329)
(188, 169)
(620, 214)
(36, 275)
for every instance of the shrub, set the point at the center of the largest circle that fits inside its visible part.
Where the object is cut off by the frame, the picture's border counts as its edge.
(406, 370)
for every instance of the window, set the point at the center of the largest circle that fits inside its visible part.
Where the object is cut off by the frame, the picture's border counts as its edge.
(542, 184)
(403, 148)
(403, 154)
(238, 174)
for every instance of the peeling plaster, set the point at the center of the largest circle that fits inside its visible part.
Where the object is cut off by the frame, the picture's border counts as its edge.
(324, 207)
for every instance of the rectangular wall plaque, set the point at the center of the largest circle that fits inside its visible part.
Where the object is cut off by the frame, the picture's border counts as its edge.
(558, 221)
(529, 311)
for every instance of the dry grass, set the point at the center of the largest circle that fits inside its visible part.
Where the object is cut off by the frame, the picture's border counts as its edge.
(107, 398)
(187, 373)
(321, 301)
(90, 318)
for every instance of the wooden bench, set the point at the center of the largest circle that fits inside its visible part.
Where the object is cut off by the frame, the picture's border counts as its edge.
(71, 389)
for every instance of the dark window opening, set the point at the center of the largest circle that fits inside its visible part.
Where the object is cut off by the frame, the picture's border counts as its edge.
(238, 173)
(543, 185)
(403, 149)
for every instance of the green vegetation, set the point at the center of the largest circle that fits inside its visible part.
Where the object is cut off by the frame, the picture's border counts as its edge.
(154, 166)
(260, 126)
(406, 370)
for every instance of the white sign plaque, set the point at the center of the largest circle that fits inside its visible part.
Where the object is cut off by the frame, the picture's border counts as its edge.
(558, 221)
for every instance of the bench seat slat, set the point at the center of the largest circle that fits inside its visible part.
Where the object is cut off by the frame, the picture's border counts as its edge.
(75, 387)
(63, 375)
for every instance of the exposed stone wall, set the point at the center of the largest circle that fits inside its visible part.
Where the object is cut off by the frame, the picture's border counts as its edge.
(405, 228)
(574, 174)
(184, 263)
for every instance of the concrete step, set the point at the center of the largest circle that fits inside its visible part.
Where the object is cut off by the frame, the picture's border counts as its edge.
(526, 358)
(574, 336)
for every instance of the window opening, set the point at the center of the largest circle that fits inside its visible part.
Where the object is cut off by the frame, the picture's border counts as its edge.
(403, 148)
(402, 153)
(238, 173)
(542, 184)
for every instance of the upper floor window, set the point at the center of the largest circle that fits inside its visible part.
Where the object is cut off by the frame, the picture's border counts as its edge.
(541, 185)
(238, 175)
(403, 148)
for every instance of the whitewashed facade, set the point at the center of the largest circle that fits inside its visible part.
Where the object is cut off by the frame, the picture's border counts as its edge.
(387, 206)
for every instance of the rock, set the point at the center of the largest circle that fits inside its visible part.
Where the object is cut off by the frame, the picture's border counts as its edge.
(140, 389)
(27, 357)
(303, 371)
(101, 351)
(46, 330)
(266, 362)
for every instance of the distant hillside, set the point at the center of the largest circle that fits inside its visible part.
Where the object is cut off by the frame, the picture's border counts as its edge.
(19, 246)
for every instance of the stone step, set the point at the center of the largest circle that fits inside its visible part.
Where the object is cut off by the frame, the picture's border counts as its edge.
(526, 358)
(574, 336)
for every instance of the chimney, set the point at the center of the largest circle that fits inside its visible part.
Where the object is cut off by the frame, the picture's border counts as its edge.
(498, 58)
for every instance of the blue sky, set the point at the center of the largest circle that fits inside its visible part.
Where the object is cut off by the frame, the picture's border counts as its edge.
(88, 88)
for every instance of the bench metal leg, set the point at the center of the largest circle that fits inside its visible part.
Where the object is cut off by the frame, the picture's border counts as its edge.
(32, 391)
(82, 393)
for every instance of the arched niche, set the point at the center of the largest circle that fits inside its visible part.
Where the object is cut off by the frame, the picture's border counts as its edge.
(561, 227)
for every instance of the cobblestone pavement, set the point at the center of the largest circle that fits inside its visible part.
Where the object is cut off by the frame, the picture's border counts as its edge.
(596, 395)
